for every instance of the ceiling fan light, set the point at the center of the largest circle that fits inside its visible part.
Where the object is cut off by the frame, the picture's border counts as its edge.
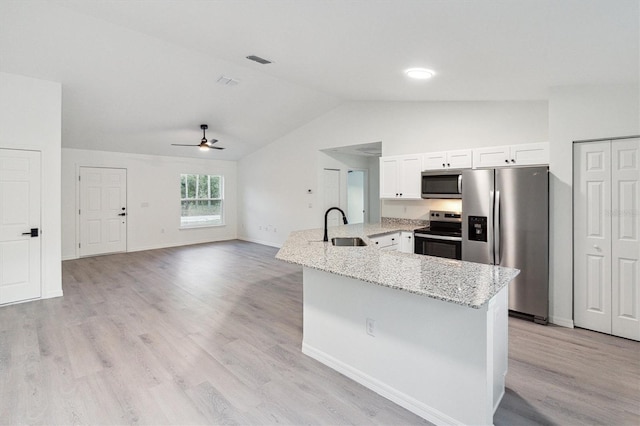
(419, 73)
(203, 145)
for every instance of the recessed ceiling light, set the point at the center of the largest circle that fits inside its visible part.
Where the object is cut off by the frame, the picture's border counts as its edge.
(419, 73)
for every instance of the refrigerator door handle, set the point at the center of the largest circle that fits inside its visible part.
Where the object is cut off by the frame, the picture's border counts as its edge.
(460, 183)
(496, 230)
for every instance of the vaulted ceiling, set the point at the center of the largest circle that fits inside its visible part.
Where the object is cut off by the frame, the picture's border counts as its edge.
(140, 75)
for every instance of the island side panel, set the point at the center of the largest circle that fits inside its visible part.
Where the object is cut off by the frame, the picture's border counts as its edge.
(438, 359)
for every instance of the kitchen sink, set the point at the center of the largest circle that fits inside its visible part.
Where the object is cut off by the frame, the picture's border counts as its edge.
(348, 241)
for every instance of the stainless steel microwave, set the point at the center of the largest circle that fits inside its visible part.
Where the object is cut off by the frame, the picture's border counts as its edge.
(442, 184)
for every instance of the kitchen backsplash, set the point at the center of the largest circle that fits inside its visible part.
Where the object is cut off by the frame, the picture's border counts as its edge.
(416, 209)
(403, 222)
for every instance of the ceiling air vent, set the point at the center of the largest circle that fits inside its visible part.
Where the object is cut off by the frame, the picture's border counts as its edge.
(258, 59)
(226, 81)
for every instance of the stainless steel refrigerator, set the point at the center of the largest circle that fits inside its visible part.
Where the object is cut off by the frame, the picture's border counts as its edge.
(505, 221)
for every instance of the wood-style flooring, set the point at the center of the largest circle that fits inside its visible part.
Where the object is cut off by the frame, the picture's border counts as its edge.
(211, 334)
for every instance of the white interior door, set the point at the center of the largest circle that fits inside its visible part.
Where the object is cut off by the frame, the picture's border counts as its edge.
(103, 204)
(625, 241)
(331, 178)
(356, 196)
(19, 215)
(592, 236)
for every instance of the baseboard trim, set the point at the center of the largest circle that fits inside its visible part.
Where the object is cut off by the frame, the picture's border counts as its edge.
(264, 243)
(52, 295)
(562, 322)
(180, 244)
(421, 409)
(189, 243)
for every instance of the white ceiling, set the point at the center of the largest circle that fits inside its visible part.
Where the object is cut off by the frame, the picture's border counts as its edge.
(140, 75)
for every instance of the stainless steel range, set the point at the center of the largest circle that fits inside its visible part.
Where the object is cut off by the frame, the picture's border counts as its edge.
(443, 236)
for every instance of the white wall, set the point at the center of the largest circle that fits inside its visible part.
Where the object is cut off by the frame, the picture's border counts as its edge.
(374, 189)
(30, 119)
(578, 113)
(275, 179)
(153, 198)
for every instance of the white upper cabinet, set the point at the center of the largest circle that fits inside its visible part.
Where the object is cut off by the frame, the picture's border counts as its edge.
(511, 155)
(389, 177)
(400, 177)
(459, 159)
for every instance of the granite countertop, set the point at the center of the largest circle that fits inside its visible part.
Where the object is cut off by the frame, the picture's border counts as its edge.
(464, 283)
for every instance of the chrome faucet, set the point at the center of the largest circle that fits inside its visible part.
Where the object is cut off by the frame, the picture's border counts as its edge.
(344, 219)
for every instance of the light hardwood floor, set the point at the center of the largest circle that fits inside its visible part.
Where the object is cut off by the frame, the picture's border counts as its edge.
(211, 334)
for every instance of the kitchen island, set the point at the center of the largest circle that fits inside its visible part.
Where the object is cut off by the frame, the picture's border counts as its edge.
(427, 333)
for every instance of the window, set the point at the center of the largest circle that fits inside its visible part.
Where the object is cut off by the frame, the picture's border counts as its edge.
(201, 199)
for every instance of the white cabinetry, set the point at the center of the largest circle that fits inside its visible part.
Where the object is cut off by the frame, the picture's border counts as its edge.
(511, 155)
(387, 241)
(400, 177)
(401, 241)
(406, 242)
(460, 159)
(606, 233)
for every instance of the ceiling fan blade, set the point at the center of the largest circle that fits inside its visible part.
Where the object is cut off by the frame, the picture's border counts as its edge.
(204, 144)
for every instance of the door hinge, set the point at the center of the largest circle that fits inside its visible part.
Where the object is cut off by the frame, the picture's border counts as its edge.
(78, 211)
(78, 245)
(78, 177)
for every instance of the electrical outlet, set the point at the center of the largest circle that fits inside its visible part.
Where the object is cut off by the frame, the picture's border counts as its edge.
(371, 327)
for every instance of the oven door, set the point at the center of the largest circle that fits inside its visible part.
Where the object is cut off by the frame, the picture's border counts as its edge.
(439, 246)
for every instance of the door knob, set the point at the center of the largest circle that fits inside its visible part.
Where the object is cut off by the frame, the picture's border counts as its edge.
(33, 232)
(597, 247)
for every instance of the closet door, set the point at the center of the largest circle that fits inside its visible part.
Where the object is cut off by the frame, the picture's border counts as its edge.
(625, 241)
(592, 236)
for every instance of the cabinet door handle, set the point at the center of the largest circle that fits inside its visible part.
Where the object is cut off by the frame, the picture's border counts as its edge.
(448, 165)
(442, 164)
(506, 161)
(513, 160)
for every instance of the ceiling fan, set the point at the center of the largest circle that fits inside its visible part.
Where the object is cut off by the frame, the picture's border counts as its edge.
(204, 144)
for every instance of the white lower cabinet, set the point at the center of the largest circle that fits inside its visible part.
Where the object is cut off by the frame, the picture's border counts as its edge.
(406, 242)
(401, 241)
(606, 243)
(387, 241)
